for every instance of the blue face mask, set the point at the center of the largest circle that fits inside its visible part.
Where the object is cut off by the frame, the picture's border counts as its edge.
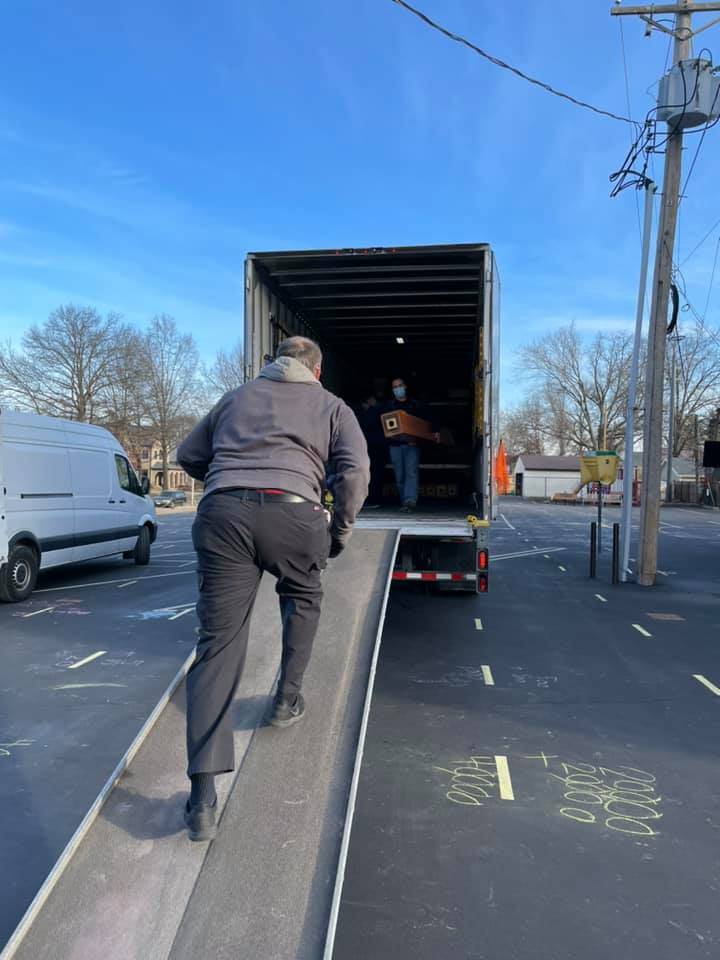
(400, 392)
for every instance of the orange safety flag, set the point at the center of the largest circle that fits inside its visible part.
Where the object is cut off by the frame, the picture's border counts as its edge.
(502, 476)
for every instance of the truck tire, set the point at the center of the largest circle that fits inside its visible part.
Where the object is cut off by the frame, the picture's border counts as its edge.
(19, 575)
(141, 553)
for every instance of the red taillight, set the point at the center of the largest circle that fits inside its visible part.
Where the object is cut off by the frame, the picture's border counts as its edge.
(482, 560)
(482, 583)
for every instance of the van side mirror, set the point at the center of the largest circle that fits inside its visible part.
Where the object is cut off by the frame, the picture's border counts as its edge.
(145, 486)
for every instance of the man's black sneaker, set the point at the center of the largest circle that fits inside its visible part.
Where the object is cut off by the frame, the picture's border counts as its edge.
(287, 712)
(200, 821)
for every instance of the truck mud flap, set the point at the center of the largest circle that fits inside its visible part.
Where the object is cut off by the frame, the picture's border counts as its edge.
(131, 886)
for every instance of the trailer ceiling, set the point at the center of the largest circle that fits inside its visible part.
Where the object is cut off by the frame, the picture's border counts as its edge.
(365, 299)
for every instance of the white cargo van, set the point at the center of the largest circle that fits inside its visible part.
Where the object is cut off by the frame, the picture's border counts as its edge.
(67, 493)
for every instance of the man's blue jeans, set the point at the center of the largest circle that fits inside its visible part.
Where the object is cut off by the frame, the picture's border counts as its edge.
(406, 462)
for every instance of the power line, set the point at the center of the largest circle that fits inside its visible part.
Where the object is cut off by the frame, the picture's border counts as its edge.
(700, 320)
(705, 129)
(712, 278)
(695, 249)
(506, 66)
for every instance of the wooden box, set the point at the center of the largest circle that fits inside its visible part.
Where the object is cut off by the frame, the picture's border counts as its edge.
(401, 425)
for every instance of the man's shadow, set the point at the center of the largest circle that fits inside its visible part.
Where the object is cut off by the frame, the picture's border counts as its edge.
(155, 818)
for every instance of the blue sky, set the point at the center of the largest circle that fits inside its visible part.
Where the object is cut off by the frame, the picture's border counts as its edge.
(145, 148)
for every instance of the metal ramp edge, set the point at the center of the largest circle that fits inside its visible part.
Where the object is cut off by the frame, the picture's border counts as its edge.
(129, 886)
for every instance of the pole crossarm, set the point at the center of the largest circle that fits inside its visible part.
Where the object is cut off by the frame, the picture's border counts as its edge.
(651, 9)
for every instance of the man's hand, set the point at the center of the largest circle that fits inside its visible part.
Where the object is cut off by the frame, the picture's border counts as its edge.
(336, 548)
(436, 437)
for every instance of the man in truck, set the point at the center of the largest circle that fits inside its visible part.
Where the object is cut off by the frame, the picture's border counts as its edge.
(262, 452)
(404, 451)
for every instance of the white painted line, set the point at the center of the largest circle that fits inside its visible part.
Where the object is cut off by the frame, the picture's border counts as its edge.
(601, 598)
(93, 656)
(128, 584)
(663, 573)
(642, 630)
(560, 567)
(35, 613)
(105, 583)
(523, 553)
(478, 623)
(84, 686)
(182, 613)
(487, 675)
(504, 781)
(711, 686)
(547, 556)
(507, 521)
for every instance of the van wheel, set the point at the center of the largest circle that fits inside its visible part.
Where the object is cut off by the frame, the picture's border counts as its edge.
(141, 553)
(19, 575)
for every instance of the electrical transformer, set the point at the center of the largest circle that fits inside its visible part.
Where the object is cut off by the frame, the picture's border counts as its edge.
(689, 94)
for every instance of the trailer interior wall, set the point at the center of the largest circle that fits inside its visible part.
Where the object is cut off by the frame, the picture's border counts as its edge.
(427, 314)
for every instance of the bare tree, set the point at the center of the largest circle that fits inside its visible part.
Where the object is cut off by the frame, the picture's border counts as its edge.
(227, 371)
(125, 400)
(524, 428)
(698, 384)
(65, 366)
(171, 366)
(588, 384)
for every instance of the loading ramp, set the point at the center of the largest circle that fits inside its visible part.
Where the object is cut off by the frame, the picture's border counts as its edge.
(132, 887)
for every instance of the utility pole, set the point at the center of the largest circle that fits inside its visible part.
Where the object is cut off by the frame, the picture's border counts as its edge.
(662, 278)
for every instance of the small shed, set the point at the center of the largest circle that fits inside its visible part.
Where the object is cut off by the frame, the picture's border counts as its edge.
(539, 478)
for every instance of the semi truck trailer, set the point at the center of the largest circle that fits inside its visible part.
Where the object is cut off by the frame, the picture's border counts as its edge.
(428, 314)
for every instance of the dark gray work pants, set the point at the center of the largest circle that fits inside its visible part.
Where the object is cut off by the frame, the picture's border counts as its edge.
(236, 541)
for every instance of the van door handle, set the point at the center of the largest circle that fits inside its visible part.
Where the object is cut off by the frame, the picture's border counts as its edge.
(111, 501)
(123, 501)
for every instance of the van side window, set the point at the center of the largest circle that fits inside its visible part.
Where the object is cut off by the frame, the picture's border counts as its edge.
(123, 472)
(135, 483)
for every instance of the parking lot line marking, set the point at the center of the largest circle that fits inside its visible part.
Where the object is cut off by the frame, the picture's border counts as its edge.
(478, 623)
(663, 573)
(507, 521)
(93, 656)
(547, 556)
(642, 630)
(560, 567)
(504, 781)
(522, 553)
(706, 683)
(182, 613)
(84, 686)
(36, 612)
(487, 675)
(128, 584)
(601, 598)
(105, 583)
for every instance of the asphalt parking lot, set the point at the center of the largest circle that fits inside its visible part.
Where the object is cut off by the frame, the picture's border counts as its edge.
(487, 712)
(85, 661)
(540, 778)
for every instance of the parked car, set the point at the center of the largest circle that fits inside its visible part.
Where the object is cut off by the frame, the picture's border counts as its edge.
(170, 498)
(67, 493)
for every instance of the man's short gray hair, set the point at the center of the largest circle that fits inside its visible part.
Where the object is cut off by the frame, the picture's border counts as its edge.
(302, 349)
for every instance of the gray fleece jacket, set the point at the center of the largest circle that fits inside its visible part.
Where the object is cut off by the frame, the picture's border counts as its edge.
(280, 431)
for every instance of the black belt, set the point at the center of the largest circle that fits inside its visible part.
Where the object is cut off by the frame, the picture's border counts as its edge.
(261, 496)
